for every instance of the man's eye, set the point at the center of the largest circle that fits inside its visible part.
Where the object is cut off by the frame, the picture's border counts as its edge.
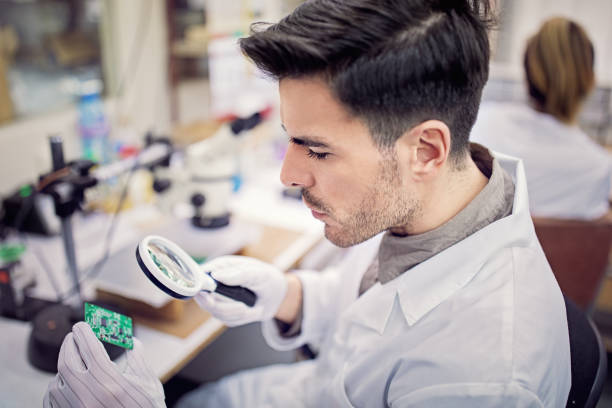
(316, 155)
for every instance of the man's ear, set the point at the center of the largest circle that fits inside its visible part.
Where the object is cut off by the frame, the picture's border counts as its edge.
(425, 147)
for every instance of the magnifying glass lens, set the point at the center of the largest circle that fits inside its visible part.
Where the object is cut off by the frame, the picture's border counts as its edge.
(170, 265)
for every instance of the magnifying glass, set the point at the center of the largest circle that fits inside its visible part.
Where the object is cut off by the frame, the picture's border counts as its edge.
(172, 270)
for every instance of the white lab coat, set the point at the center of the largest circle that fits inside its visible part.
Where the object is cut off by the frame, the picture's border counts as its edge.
(480, 324)
(568, 174)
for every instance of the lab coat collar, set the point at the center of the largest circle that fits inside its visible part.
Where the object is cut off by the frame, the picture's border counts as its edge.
(425, 286)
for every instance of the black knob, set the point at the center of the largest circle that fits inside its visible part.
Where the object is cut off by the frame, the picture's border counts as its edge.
(198, 200)
(160, 185)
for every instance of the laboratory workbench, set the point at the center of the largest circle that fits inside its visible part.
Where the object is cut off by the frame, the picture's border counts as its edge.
(285, 233)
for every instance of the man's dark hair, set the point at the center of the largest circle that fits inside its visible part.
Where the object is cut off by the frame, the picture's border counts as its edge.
(392, 63)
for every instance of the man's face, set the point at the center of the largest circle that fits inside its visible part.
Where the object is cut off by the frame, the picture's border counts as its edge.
(348, 183)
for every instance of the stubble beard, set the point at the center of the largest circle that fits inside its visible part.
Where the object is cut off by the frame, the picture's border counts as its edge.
(385, 205)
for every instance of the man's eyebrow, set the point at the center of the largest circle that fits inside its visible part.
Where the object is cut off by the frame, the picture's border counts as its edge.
(305, 140)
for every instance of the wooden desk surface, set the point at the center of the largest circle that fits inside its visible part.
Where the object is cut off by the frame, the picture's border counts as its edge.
(273, 241)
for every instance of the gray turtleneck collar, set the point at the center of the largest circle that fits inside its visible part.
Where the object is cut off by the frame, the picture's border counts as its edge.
(398, 254)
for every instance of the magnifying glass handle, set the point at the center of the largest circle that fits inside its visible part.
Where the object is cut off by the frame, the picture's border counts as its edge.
(239, 293)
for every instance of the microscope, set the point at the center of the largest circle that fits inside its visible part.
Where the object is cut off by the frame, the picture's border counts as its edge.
(209, 174)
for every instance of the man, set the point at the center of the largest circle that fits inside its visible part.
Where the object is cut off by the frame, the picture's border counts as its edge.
(445, 298)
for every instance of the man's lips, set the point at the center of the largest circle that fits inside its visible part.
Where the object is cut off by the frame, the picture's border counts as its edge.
(315, 213)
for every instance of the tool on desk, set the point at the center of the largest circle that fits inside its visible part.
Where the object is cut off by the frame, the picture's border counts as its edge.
(66, 185)
(172, 270)
(109, 326)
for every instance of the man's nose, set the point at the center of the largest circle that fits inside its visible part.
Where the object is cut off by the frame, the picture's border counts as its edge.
(295, 171)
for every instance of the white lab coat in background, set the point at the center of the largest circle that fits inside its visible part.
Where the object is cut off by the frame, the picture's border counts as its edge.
(568, 174)
(481, 324)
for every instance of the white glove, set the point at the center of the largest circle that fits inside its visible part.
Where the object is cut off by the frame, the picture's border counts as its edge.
(265, 280)
(87, 377)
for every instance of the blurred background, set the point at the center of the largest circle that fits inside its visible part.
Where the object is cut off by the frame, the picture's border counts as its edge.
(162, 65)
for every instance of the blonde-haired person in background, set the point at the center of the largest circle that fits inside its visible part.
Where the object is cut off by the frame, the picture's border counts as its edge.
(568, 174)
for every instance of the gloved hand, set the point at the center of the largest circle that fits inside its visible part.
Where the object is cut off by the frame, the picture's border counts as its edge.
(267, 281)
(87, 377)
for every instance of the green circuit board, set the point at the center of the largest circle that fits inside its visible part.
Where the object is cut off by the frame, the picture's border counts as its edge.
(109, 326)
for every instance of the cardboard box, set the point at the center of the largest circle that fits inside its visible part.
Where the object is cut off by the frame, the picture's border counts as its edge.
(194, 132)
(6, 103)
(8, 47)
(73, 49)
